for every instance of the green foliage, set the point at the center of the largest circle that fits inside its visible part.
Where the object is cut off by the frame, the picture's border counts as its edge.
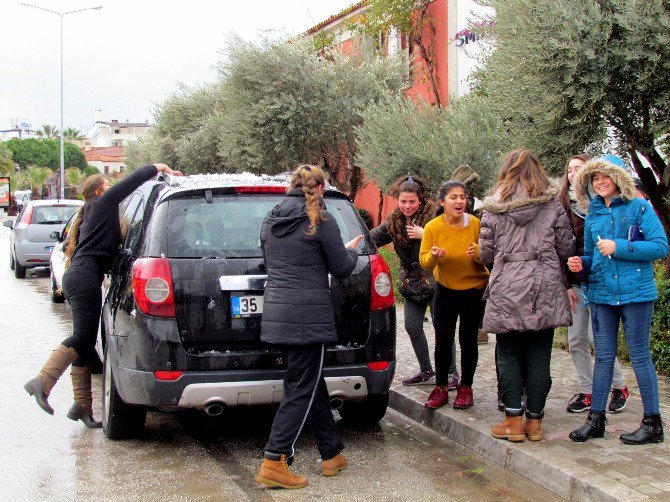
(72, 134)
(660, 328)
(275, 105)
(88, 170)
(6, 160)
(45, 153)
(36, 176)
(399, 138)
(563, 71)
(47, 132)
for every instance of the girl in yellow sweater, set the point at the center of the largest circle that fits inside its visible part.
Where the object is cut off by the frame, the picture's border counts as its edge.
(449, 249)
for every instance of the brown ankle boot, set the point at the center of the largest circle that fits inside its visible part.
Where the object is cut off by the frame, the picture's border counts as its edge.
(511, 429)
(334, 465)
(41, 385)
(82, 409)
(533, 426)
(277, 474)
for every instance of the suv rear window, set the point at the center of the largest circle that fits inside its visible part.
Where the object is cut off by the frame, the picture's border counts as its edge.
(230, 226)
(52, 215)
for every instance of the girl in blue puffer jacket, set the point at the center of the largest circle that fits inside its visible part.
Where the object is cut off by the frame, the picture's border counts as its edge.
(622, 238)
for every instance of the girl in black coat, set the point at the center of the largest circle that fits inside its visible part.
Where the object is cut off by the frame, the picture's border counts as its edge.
(92, 246)
(302, 244)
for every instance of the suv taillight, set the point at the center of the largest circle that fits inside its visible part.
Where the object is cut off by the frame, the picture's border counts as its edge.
(152, 283)
(381, 292)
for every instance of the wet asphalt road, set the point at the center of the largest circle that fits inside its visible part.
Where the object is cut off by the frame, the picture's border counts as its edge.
(190, 456)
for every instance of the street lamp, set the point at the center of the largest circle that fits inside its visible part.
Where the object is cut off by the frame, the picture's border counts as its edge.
(62, 138)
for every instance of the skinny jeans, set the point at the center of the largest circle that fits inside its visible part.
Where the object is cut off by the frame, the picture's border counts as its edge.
(636, 319)
(580, 340)
(449, 305)
(82, 283)
(524, 355)
(305, 401)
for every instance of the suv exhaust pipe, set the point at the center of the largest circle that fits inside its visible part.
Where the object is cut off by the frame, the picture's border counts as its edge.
(214, 409)
(336, 403)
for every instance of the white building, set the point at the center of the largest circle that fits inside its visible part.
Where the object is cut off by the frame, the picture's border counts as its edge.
(115, 133)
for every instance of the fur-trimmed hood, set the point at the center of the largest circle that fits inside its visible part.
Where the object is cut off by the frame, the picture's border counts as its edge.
(584, 188)
(520, 207)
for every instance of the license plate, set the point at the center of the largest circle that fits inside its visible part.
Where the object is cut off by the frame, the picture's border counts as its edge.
(48, 249)
(246, 305)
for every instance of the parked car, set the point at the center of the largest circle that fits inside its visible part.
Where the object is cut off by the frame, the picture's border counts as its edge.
(22, 197)
(31, 242)
(57, 261)
(181, 319)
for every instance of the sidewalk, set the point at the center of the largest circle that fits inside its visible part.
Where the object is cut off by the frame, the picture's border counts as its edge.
(599, 469)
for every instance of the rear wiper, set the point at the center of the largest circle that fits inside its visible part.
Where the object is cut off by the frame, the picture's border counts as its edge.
(55, 222)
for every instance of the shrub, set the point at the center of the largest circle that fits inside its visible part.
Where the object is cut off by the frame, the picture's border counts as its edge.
(660, 327)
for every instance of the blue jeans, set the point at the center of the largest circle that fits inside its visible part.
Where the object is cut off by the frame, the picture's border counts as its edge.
(636, 318)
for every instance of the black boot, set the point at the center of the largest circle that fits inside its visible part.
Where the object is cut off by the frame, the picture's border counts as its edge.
(651, 431)
(593, 428)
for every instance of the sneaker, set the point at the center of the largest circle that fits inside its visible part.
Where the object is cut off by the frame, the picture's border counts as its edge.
(579, 403)
(619, 400)
(453, 380)
(439, 397)
(421, 378)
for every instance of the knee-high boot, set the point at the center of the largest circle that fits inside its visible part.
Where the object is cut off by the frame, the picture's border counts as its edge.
(82, 409)
(41, 385)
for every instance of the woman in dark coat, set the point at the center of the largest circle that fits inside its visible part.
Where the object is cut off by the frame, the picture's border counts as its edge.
(302, 245)
(92, 246)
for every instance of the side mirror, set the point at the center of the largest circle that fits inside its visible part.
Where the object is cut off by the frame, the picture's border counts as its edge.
(55, 235)
(8, 223)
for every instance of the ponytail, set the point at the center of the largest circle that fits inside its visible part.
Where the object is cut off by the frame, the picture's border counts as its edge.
(308, 178)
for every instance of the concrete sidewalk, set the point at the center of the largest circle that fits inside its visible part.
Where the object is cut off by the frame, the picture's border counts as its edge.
(599, 469)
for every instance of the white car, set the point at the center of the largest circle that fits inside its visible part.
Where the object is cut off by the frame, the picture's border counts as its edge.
(31, 241)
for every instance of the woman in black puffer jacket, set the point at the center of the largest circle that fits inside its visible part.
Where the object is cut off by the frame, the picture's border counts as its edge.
(302, 245)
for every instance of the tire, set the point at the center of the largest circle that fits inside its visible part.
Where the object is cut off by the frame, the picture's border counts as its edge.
(119, 420)
(365, 413)
(19, 270)
(56, 295)
(11, 260)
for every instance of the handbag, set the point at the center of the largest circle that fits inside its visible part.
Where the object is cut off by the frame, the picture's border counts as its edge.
(414, 282)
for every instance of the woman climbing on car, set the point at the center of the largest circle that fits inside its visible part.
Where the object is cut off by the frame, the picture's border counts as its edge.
(302, 245)
(93, 244)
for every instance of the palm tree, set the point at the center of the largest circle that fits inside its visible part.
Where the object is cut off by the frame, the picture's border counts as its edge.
(75, 177)
(47, 132)
(72, 134)
(37, 176)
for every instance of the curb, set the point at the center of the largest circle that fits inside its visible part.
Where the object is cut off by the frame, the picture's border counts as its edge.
(522, 460)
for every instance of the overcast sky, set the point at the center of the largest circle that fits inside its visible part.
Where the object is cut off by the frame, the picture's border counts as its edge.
(129, 56)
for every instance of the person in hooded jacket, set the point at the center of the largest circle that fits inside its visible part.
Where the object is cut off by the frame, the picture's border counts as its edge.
(622, 238)
(302, 245)
(580, 334)
(93, 244)
(526, 234)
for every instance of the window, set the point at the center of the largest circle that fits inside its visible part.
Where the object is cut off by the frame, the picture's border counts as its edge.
(127, 211)
(133, 237)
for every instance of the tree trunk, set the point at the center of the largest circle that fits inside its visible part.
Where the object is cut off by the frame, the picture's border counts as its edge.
(381, 207)
(355, 178)
(657, 192)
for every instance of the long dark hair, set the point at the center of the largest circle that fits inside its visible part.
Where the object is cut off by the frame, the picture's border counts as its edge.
(411, 184)
(91, 185)
(444, 190)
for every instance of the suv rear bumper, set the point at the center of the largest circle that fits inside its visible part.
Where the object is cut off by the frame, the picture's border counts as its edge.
(197, 389)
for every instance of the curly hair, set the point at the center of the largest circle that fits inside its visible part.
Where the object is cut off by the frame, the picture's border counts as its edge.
(308, 178)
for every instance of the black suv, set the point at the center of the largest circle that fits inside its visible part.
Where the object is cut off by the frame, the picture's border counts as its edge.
(180, 324)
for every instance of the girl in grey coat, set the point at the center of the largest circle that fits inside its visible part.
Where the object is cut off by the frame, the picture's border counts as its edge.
(526, 234)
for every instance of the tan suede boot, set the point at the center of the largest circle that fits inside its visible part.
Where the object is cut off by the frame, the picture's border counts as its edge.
(334, 465)
(277, 474)
(511, 429)
(533, 426)
(41, 385)
(82, 409)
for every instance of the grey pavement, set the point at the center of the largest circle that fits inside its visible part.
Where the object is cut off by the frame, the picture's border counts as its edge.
(599, 469)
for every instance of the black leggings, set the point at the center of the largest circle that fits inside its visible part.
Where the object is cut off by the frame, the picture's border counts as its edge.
(81, 285)
(448, 305)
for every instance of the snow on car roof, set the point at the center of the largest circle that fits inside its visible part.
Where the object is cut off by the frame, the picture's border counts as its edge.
(229, 179)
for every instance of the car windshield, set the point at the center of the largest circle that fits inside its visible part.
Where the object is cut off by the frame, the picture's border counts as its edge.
(52, 215)
(230, 226)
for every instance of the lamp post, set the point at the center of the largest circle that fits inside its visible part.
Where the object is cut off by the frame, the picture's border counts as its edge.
(62, 138)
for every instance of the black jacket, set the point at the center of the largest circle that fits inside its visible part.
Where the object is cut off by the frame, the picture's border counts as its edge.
(297, 307)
